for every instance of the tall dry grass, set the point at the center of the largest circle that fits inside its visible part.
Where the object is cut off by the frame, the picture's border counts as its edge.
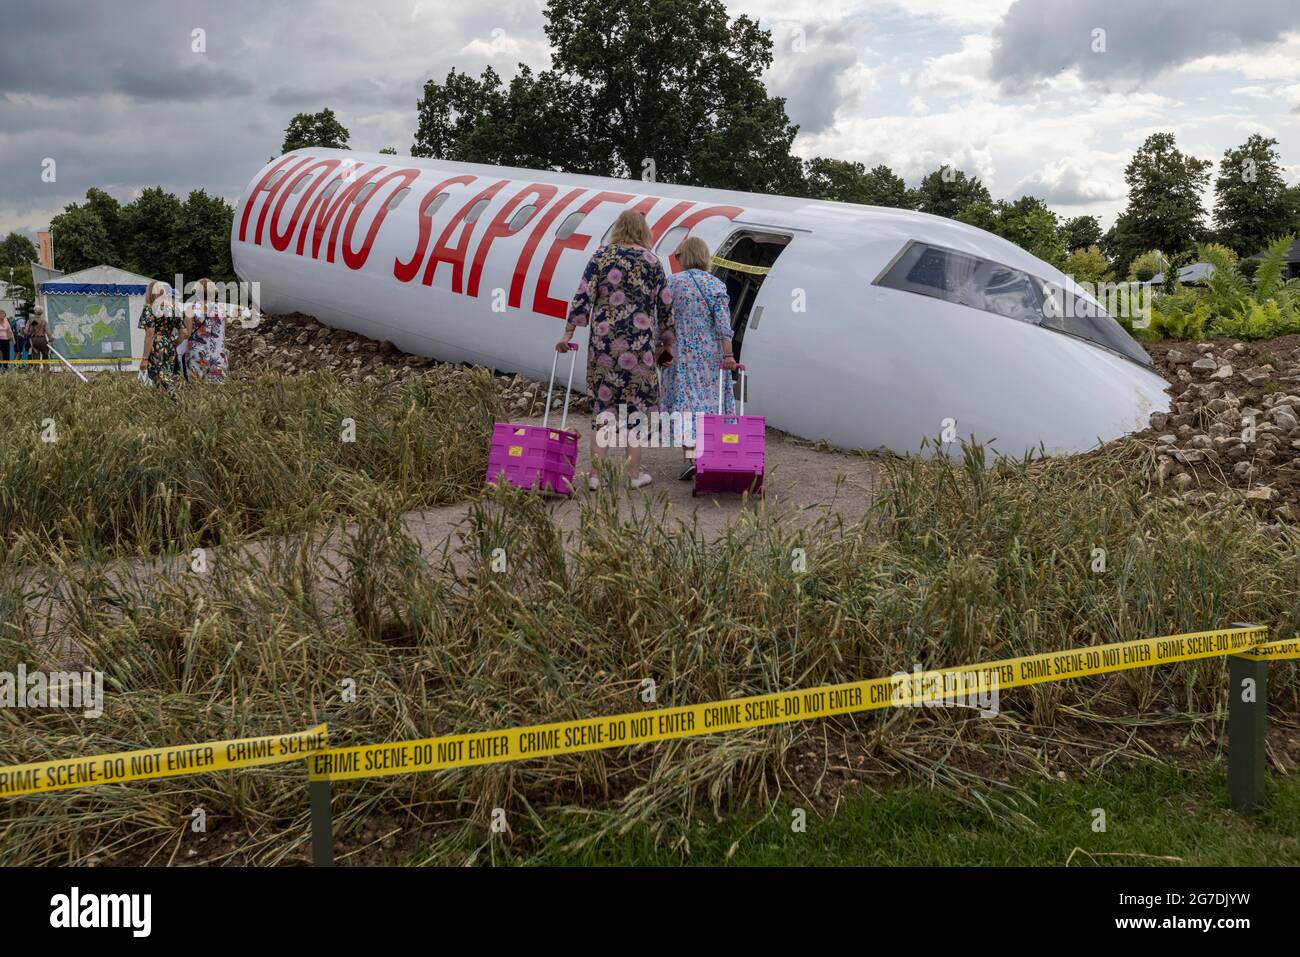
(131, 471)
(957, 563)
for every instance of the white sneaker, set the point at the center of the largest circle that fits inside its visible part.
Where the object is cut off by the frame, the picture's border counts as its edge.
(593, 483)
(641, 481)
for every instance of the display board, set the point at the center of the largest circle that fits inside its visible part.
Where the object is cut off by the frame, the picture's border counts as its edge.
(90, 326)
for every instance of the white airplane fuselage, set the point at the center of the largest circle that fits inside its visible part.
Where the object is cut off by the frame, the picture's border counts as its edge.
(448, 260)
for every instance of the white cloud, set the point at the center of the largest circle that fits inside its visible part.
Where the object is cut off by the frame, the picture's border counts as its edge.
(962, 73)
(1077, 179)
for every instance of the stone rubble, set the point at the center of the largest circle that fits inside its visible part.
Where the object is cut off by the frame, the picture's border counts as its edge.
(297, 344)
(1233, 427)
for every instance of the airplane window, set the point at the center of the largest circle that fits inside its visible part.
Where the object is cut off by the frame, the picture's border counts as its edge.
(275, 178)
(604, 240)
(1076, 315)
(331, 189)
(435, 205)
(476, 211)
(670, 240)
(968, 280)
(398, 197)
(363, 194)
(298, 186)
(520, 219)
(570, 225)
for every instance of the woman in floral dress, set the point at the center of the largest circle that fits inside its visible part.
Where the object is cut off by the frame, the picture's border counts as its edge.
(624, 298)
(207, 351)
(166, 326)
(703, 313)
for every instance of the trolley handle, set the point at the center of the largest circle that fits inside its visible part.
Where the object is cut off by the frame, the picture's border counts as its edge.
(744, 389)
(568, 388)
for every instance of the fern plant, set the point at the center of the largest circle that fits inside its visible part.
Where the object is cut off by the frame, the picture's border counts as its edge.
(1227, 291)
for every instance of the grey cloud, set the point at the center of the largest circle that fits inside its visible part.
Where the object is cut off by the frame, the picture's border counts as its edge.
(112, 91)
(809, 80)
(1038, 39)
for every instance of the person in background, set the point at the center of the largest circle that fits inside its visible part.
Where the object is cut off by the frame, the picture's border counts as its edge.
(166, 326)
(20, 338)
(624, 298)
(703, 317)
(207, 352)
(6, 340)
(38, 337)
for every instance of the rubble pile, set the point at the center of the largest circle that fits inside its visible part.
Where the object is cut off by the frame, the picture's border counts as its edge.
(297, 344)
(1233, 427)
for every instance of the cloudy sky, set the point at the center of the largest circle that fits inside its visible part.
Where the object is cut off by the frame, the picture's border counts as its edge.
(1016, 92)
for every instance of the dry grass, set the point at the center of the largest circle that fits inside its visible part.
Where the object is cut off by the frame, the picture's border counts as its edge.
(956, 563)
(131, 471)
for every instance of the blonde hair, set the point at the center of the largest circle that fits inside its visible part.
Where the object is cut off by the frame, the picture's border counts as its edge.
(630, 229)
(693, 253)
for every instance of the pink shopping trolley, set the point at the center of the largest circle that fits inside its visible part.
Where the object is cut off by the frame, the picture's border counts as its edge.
(731, 450)
(537, 456)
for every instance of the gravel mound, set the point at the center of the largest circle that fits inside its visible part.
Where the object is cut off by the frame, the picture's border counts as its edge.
(297, 344)
(1233, 428)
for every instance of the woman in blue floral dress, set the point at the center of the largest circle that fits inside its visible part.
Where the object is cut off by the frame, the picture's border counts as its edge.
(207, 351)
(624, 298)
(703, 314)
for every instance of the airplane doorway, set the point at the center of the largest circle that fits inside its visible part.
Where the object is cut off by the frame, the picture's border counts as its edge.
(743, 261)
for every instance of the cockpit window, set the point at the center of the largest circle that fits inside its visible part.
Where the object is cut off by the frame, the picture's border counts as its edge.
(982, 284)
(967, 280)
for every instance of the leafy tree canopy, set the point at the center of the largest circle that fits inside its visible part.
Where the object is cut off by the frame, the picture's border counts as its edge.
(948, 191)
(1164, 200)
(1080, 232)
(849, 182)
(1252, 204)
(668, 90)
(321, 129)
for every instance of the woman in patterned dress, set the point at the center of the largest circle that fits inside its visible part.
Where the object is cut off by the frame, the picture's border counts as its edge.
(703, 313)
(166, 326)
(206, 357)
(624, 298)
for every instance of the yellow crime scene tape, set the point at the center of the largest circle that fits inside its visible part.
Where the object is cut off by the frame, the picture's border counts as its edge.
(20, 779)
(1274, 650)
(112, 361)
(734, 714)
(740, 267)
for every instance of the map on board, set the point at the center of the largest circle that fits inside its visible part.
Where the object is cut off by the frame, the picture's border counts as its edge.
(90, 327)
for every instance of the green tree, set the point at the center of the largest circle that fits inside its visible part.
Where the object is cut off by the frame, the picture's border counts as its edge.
(109, 211)
(154, 234)
(1027, 222)
(660, 89)
(1080, 232)
(947, 191)
(81, 240)
(17, 250)
(205, 225)
(1252, 204)
(1164, 200)
(389, 151)
(850, 182)
(1145, 266)
(1088, 264)
(321, 129)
